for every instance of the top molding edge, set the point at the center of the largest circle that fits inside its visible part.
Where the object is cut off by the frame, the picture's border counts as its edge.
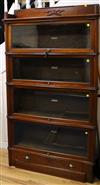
(68, 11)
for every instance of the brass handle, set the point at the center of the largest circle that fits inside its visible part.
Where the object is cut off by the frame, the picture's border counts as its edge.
(71, 165)
(27, 157)
(87, 60)
(88, 25)
(87, 95)
(86, 133)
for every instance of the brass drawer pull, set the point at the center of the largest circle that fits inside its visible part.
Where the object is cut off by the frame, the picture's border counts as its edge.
(27, 157)
(71, 165)
(87, 95)
(87, 60)
(86, 133)
(88, 25)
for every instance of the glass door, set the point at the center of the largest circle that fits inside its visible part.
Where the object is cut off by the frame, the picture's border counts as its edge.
(62, 69)
(57, 37)
(67, 140)
(47, 103)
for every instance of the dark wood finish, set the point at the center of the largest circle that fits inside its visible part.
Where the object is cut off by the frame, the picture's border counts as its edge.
(92, 103)
(61, 84)
(71, 11)
(65, 167)
(89, 132)
(30, 69)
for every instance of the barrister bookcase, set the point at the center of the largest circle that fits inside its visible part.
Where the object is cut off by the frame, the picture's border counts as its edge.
(51, 60)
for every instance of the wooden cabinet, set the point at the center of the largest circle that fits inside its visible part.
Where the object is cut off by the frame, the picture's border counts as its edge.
(51, 59)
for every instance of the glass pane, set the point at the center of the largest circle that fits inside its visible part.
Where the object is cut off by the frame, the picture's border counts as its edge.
(75, 35)
(54, 138)
(53, 69)
(48, 103)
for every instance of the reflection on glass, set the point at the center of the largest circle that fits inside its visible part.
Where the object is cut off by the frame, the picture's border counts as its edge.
(48, 103)
(54, 138)
(51, 36)
(53, 69)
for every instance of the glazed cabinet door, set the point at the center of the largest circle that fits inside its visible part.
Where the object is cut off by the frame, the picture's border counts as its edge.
(53, 71)
(65, 140)
(55, 104)
(54, 37)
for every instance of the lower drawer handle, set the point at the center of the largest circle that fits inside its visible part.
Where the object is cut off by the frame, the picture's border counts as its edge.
(70, 165)
(26, 157)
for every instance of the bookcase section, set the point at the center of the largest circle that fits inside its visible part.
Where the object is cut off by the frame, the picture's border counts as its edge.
(51, 60)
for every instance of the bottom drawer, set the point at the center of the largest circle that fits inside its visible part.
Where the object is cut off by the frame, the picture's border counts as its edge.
(47, 159)
(51, 164)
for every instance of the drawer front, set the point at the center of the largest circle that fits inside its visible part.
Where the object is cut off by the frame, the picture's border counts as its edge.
(54, 165)
(46, 159)
(38, 163)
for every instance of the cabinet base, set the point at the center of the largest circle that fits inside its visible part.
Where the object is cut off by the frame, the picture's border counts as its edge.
(54, 165)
